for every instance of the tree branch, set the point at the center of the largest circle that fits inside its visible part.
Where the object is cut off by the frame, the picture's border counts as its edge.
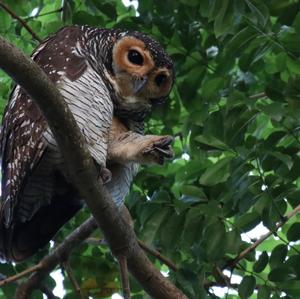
(158, 255)
(21, 21)
(44, 14)
(80, 166)
(48, 263)
(146, 248)
(68, 269)
(233, 262)
(20, 275)
(124, 277)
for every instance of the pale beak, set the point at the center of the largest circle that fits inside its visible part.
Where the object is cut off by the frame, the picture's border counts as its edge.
(139, 83)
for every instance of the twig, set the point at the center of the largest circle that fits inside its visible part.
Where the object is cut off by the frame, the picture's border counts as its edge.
(233, 262)
(20, 275)
(124, 276)
(146, 248)
(21, 21)
(158, 255)
(95, 241)
(73, 281)
(258, 96)
(44, 14)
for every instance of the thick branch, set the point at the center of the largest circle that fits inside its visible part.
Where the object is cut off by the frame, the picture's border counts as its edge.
(291, 214)
(80, 166)
(20, 20)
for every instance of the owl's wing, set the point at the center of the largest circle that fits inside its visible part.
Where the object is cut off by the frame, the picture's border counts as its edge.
(23, 125)
(21, 148)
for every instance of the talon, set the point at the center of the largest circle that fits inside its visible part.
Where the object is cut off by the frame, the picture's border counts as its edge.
(164, 142)
(168, 153)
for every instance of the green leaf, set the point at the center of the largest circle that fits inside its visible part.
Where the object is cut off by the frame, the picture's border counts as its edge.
(84, 18)
(248, 221)
(211, 89)
(291, 287)
(194, 192)
(261, 263)
(224, 20)
(5, 21)
(296, 23)
(211, 142)
(278, 256)
(216, 174)
(293, 66)
(264, 292)
(240, 40)
(246, 287)
(293, 234)
(281, 274)
(215, 236)
(171, 230)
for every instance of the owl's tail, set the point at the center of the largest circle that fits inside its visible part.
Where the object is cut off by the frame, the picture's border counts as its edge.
(22, 240)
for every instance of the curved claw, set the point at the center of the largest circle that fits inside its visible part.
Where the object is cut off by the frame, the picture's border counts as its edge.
(161, 149)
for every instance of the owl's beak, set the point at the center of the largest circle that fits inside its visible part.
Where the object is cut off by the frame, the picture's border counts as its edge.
(139, 83)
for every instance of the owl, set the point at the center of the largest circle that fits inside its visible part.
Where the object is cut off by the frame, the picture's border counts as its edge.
(110, 80)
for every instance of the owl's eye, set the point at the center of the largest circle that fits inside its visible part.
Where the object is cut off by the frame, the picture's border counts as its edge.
(160, 79)
(135, 57)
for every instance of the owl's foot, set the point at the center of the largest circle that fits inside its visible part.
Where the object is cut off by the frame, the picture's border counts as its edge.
(158, 149)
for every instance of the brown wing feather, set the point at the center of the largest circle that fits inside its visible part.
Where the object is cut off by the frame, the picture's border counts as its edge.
(23, 125)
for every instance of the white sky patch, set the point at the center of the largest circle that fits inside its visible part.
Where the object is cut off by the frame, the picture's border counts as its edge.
(235, 279)
(134, 3)
(212, 51)
(116, 296)
(255, 233)
(59, 289)
(264, 187)
(185, 156)
(34, 12)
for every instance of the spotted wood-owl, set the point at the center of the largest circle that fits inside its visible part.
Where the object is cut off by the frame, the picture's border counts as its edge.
(103, 75)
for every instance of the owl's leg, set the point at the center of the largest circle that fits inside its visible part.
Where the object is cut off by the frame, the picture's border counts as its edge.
(145, 149)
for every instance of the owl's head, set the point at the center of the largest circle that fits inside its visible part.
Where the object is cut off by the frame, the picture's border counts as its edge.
(142, 73)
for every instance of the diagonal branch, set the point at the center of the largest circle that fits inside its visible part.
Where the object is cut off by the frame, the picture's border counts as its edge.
(158, 255)
(21, 21)
(20, 275)
(117, 232)
(234, 262)
(68, 269)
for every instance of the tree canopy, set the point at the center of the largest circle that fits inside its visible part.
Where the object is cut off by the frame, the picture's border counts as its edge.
(235, 112)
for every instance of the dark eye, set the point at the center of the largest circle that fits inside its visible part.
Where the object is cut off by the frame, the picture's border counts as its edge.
(135, 57)
(160, 79)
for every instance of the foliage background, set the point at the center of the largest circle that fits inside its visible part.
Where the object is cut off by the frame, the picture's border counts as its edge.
(235, 111)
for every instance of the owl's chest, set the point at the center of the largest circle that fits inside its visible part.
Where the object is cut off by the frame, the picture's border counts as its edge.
(90, 102)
